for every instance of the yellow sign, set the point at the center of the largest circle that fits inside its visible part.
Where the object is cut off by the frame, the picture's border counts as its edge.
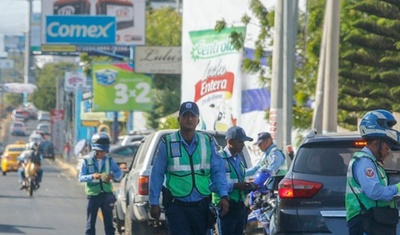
(93, 123)
(59, 48)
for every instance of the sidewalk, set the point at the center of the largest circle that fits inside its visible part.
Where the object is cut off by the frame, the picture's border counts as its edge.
(68, 166)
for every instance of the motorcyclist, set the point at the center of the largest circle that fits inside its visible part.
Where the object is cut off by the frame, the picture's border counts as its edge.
(30, 154)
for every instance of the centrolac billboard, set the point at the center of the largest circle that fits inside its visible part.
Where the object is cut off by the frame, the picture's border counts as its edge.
(117, 88)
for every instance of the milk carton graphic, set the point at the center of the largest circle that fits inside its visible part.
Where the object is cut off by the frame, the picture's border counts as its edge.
(106, 77)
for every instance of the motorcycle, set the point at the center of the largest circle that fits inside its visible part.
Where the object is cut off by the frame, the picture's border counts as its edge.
(261, 203)
(30, 181)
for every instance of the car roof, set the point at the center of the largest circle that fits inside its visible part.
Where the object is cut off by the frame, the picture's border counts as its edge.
(347, 136)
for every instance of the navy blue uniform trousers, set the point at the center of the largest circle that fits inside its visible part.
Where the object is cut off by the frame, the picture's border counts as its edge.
(104, 201)
(187, 220)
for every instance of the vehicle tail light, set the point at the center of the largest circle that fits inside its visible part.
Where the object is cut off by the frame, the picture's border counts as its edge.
(298, 188)
(360, 143)
(143, 185)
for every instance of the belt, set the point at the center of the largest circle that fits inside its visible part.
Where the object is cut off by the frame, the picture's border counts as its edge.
(200, 203)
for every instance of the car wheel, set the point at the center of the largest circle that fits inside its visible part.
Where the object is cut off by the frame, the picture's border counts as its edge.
(128, 222)
(4, 172)
(119, 224)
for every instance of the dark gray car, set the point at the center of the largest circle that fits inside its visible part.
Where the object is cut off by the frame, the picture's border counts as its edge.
(311, 195)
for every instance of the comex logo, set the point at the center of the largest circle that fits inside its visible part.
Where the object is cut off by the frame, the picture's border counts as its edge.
(55, 29)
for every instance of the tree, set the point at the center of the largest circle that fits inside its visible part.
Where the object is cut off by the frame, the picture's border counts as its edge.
(45, 97)
(164, 28)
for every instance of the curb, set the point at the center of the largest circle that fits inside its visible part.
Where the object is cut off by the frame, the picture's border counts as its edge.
(69, 167)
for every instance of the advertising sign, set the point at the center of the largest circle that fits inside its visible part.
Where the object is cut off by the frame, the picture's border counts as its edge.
(57, 130)
(117, 88)
(158, 60)
(129, 16)
(80, 29)
(14, 42)
(75, 81)
(212, 77)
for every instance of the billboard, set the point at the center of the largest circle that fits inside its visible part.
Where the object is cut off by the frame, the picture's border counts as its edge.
(75, 81)
(117, 88)
(158, 60)
(129, 16)
(80, 30)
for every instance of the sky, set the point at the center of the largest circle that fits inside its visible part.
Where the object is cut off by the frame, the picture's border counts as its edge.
(14, 15)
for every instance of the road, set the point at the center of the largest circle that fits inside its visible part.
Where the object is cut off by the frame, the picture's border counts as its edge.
(57, 207)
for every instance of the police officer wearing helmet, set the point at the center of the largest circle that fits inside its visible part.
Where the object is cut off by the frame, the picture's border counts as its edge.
(233, 222)
(97, 171)
(367, 183)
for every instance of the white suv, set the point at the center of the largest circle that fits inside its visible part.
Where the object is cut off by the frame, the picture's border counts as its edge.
(132, 209)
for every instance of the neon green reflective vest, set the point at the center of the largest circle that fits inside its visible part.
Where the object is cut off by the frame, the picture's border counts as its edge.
(232, 177)
(186, 172)
(352, 205)
(95, 186)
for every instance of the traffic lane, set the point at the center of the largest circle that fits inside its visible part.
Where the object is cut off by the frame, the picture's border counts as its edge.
(58, 207)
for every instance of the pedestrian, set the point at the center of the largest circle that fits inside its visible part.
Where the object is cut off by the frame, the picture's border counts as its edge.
(367, 188)
(233, 222)
(67, 150)
(272, 158)
(97, 171)
(190, 161)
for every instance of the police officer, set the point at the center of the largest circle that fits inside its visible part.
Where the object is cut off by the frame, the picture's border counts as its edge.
(366, 177)
(272, 158)
(97, 171)
(189, 160)
(233, 222)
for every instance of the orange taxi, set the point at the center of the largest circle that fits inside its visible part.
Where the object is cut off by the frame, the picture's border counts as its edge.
(9, 159)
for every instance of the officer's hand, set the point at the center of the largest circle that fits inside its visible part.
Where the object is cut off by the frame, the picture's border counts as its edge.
(155, 211)
(109, 177)
(242, 186)
(224, 206)
(96, 176)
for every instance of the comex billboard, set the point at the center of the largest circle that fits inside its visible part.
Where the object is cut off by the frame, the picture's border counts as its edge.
(129, 20)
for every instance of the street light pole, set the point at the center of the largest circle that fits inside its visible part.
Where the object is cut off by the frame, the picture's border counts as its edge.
(28, 56)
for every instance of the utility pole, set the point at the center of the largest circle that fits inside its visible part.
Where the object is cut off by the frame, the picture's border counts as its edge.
(329, 123)
(319, 96)
(28, 55)
(289, 61)
(275, 115)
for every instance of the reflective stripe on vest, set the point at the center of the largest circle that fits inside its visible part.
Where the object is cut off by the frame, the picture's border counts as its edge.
(232, 177)
(203, 165)
(96, 186)
(186, 172)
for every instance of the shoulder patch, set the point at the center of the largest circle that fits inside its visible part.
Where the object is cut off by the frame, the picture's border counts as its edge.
(369, 172)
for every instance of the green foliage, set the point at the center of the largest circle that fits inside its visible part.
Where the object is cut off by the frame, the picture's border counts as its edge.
(171, 122)
(45, 97)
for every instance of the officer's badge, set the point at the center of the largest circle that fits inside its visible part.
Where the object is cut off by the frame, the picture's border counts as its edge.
(175, 149)
(369, 172)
